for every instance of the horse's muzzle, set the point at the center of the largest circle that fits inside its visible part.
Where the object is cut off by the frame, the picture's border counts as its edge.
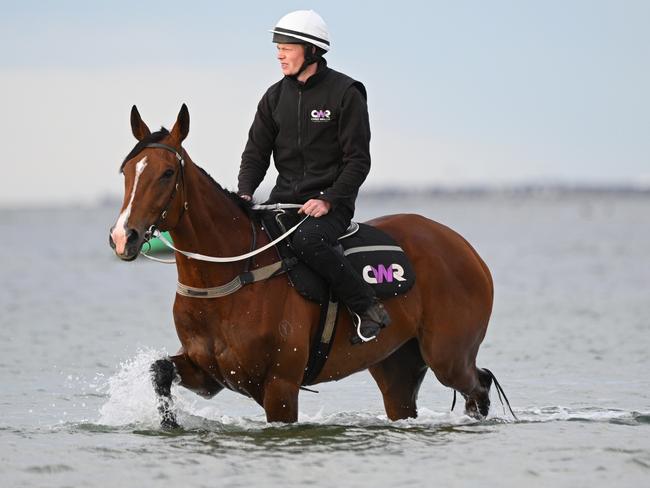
(129, 248)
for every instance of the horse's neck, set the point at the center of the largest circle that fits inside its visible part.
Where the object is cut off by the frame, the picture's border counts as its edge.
(213, 225)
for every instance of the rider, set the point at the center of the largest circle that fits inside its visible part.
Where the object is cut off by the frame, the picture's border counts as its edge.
(315, 122)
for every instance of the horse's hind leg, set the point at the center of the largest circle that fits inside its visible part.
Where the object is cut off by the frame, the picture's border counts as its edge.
(163, 373)
(399, 377)
(455, 368)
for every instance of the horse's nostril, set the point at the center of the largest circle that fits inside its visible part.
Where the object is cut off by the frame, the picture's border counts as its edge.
(132, 236)
(111, 242)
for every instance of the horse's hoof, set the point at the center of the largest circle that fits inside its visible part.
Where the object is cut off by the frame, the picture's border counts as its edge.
(169, 424)
(476, 410)
(475, 414)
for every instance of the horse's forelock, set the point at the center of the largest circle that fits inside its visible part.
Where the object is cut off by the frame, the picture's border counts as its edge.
(153, 137)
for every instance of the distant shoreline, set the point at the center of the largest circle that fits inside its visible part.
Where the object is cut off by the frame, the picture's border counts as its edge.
(532, 191)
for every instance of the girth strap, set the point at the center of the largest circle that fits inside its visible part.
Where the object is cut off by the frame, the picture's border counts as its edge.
(320, 349)
(235, 284)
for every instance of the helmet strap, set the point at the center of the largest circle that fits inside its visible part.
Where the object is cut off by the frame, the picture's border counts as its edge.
(311, 56)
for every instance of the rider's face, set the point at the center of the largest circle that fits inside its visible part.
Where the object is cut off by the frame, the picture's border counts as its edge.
(291, 57)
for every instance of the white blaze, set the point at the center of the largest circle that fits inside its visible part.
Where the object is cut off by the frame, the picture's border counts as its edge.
(119, 231)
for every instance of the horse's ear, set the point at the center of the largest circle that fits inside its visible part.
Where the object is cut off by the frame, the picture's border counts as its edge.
(138, 127)
(182, 125)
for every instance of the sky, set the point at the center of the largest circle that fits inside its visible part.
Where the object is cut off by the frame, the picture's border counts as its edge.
(459, 93)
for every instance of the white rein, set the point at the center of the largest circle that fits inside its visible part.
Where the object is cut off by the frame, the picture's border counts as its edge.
(229, 259)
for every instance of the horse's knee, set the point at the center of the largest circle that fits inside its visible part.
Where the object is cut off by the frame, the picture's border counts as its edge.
(163, 373)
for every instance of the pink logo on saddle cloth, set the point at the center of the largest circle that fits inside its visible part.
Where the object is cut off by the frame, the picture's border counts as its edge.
(382, 273)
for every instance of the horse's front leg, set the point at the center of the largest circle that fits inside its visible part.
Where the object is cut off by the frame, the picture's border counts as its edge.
(281, 400)
(163, 373)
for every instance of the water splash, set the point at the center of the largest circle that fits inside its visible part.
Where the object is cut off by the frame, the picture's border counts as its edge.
(131, 399)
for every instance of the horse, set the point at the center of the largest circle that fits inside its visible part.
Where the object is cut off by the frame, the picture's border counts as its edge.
(256, 341)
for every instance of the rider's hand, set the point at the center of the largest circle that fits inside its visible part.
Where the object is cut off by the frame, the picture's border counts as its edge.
(248, 198)
(315, 208)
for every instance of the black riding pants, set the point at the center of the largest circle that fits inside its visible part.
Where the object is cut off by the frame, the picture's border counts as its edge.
(313, 242)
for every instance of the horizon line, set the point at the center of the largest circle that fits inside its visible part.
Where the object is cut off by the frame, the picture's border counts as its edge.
(531, 190)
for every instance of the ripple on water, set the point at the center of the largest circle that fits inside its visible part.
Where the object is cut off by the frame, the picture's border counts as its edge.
(49, 469)
(644, 462)
(584, 414)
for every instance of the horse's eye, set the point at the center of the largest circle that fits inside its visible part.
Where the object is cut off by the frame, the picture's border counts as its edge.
(168, 174)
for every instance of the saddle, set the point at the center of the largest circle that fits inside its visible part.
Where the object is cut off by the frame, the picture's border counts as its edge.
(375, 255)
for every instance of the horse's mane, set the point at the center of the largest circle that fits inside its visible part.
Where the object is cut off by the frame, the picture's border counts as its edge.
(153, 137)
(245, 205)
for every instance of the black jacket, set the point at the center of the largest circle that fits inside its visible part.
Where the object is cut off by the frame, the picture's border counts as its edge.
(319, 135)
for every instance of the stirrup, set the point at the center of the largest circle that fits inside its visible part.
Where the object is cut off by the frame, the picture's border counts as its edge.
(358, 327)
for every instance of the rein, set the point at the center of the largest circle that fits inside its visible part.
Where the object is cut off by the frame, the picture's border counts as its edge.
(214, 259)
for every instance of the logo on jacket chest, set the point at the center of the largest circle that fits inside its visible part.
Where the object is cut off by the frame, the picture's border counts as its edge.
(320, 115)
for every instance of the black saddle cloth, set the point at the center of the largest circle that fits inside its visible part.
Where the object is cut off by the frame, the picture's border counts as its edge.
(375, 255)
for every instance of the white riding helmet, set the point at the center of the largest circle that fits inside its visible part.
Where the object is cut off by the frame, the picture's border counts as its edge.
(302, 26)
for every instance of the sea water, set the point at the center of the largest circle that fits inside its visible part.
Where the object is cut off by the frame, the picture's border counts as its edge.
(569, 340)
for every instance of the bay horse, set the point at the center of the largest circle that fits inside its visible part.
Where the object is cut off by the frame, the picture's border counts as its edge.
(256, 341)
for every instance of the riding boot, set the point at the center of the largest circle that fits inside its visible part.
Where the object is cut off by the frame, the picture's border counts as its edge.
(370, 322)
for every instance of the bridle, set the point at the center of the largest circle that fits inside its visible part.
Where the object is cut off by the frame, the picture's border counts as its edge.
(177, 186)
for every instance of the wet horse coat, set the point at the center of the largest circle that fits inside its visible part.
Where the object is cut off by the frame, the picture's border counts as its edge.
(256, 341)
